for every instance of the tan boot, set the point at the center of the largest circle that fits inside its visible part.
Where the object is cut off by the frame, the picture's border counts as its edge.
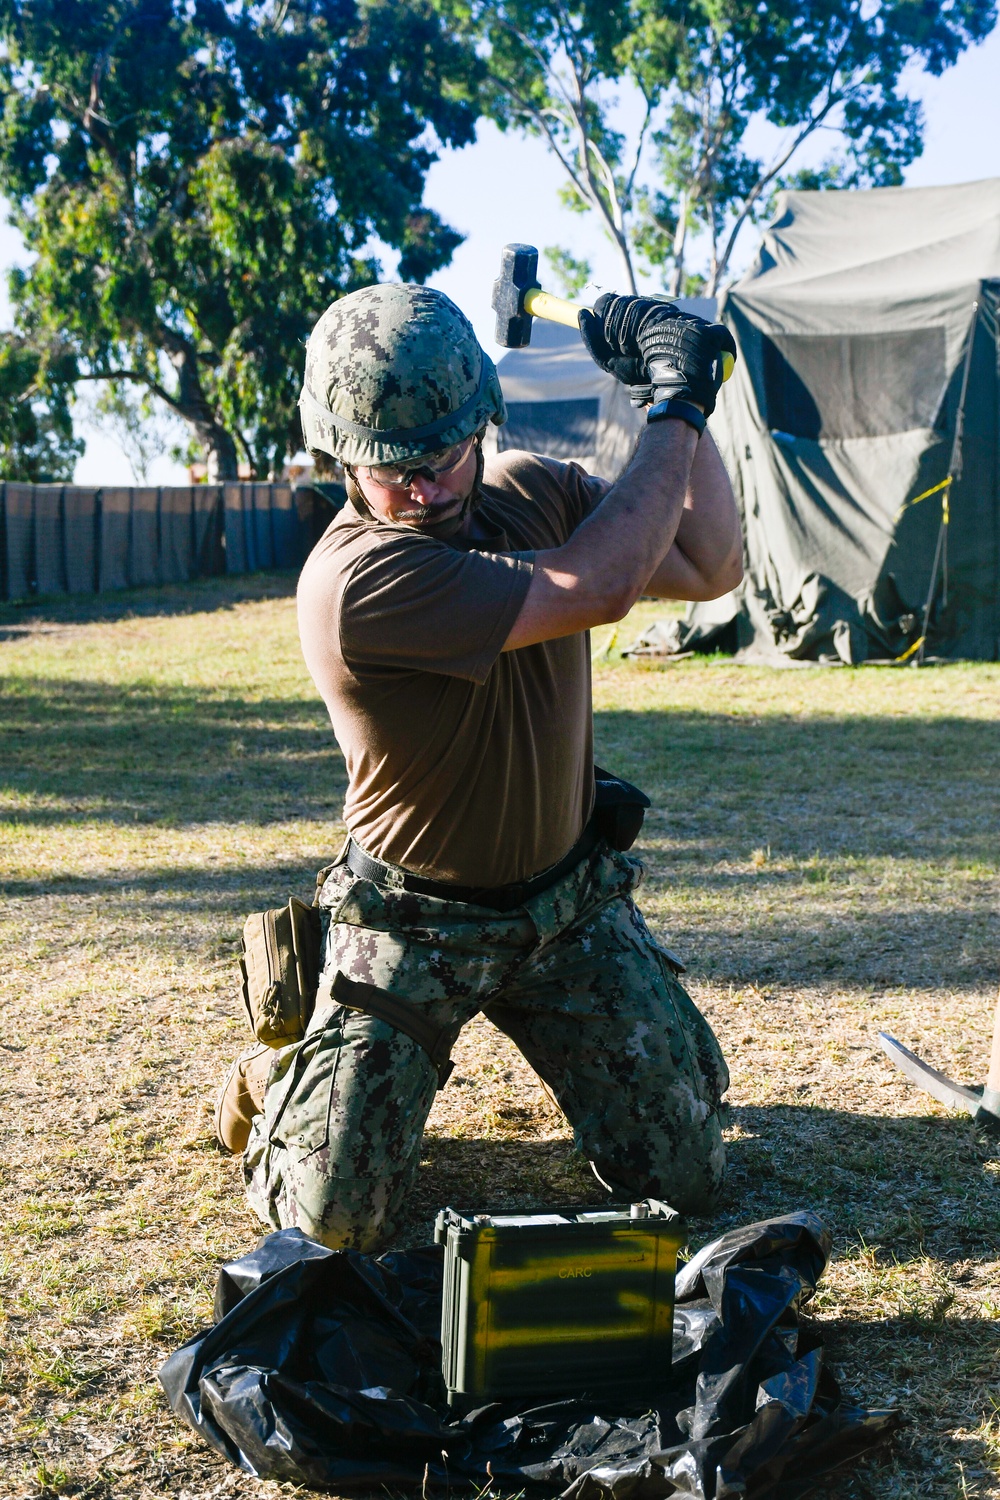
(241, 1097)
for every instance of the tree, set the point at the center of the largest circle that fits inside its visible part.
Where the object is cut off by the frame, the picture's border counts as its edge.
(571, 273)
(197, 180)
(824, 65)
(701, 70)
(36, 430)
(128, 413)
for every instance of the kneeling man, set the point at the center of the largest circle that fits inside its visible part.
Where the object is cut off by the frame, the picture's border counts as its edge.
(444, 617)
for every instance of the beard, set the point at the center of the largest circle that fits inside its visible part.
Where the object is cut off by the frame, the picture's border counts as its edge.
(440, 530)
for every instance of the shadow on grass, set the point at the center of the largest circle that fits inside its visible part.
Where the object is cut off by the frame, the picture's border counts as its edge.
(90, 751)
(825, 794)
(899, 1188)
(936, 1372)
(839, 786)
(902, 1186)
(199, 890)
(842, 787)
(486, 1173)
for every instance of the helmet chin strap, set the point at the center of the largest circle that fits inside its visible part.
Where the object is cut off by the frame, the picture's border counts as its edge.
(444, 529)
(356, 498)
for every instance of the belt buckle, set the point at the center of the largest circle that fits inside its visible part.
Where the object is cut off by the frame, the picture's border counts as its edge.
(514, 896)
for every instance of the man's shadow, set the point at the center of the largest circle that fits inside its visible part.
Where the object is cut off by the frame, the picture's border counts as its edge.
(917, 1185)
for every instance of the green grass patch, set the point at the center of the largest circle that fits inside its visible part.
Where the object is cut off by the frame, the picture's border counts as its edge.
(823, 851)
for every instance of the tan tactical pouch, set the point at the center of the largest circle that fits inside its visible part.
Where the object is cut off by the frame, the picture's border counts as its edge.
(280, 964)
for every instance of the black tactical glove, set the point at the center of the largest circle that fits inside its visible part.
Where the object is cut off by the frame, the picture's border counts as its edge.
(609, 333)
(685, 359)
(657, 350)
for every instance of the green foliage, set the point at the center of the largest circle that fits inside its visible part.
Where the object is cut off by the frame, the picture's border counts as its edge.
(571, 274)
(196, 181)
(826, 64)
(703, 70)
(36, 431)
(830, 174)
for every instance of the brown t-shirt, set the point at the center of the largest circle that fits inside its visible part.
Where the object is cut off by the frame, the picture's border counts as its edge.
(466, 763)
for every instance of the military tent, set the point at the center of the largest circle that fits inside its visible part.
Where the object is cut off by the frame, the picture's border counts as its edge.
(861, 431)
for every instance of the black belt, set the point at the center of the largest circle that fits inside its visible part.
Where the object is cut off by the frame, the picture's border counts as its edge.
(501, 897)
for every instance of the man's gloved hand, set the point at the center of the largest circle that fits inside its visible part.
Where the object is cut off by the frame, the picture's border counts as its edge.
(648, 342)
(610, 331)
(684, 359)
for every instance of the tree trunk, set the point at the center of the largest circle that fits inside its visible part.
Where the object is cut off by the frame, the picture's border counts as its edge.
(220, 453)
(621, 241)
(627, 263)
(680, 242)
(193, 405)
(714, 269)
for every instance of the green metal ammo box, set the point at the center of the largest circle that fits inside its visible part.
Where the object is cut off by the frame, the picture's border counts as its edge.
(579, 1301)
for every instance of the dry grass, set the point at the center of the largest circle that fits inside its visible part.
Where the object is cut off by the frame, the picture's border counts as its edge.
(824, 852)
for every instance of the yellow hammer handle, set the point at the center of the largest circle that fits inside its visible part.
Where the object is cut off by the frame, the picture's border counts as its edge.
(553, 309)
(541, 304)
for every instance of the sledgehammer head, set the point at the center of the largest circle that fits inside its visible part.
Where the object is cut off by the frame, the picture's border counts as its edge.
(518, 274)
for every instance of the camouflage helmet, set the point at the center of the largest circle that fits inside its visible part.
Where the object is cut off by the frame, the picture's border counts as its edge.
(393, 372)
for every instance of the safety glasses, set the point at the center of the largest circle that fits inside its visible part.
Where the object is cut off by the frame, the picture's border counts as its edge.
(431, 466)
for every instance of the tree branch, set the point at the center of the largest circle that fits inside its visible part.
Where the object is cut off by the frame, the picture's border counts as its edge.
(609, 210)
(610, 186)
(608, 203)
(536, 113)
(139, 379)
(647, 118)
(548, 72)
(767, 177)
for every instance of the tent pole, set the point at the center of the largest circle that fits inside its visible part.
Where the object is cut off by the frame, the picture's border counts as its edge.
(954, 473)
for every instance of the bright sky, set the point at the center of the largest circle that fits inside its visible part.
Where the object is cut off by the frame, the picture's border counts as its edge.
(506, 188)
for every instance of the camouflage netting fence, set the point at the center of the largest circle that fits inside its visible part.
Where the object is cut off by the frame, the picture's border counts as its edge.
(65, 539)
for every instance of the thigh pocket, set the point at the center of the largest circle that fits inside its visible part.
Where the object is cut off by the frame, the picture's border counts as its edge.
(709, 1065)
(358, 1091)
(297, 1104)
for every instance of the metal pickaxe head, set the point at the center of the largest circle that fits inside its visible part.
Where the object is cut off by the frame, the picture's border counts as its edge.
(518, 297)
(983, 1104)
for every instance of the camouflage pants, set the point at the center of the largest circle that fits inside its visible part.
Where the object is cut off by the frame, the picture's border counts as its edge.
(573, 977)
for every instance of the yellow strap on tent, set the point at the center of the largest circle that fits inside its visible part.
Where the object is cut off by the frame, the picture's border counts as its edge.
(910, 650)
(944, 485)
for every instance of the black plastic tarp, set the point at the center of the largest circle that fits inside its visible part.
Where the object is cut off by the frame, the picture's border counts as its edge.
(116, 504)
(18, 537)
(50, 559)
(324, 1368)
(80, 517)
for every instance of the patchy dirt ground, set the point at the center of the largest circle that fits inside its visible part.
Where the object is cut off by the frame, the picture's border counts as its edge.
(824, 852)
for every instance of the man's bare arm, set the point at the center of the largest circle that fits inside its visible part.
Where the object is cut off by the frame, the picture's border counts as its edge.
(598, 574)
(609, 561)
(706, 559)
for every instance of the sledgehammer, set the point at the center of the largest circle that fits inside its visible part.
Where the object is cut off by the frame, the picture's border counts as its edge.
(518, 298)
(982, 1104)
